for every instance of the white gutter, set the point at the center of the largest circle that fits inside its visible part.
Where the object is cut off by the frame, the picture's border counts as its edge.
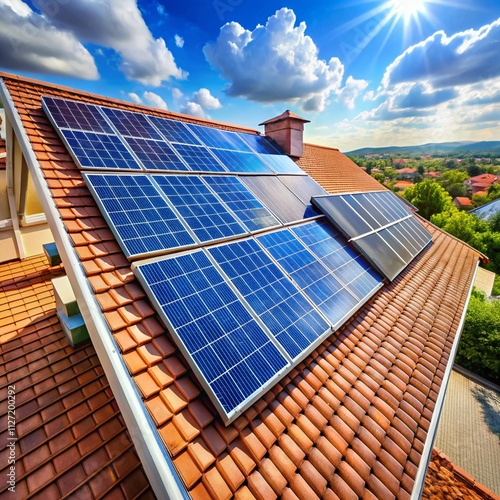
(157, 464)
(418, 486)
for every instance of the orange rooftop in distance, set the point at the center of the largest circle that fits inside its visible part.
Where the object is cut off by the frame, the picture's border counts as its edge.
(124, 415)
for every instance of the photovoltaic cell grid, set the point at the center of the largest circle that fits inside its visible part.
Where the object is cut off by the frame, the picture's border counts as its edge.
(221, 340)
(243, 204)
(137, 214)
(237, 162)
(155, 155)
(379, 225)
(131, 124)
(198, 158)
(216, 138)
(288, 315)
(75, 115)
(282, 164)
(103, 151)
(262, 144)
(322, 288)
(174, 131)
(200, 209)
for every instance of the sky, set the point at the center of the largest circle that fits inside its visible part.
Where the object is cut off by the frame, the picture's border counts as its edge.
(366, 73)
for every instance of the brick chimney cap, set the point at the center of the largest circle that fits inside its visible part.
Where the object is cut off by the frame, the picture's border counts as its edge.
(284, 116)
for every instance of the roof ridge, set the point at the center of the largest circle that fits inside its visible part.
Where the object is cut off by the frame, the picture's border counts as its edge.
(321, 146)
(139, 107)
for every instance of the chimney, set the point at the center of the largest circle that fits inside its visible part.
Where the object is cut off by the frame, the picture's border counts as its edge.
(287, 130)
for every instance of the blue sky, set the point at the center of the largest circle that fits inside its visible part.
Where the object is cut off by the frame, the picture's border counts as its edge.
(365, 72)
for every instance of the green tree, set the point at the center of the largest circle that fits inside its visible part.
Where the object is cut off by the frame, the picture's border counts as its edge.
(379, 177)
(453, 182)
(429, 197)
(479, 348)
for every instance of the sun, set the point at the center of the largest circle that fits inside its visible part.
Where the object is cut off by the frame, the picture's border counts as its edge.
(407, 9)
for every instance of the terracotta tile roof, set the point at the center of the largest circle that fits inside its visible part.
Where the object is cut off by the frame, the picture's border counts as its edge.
(445, 480)
(71, 438)
(483, 179)
(3, 160)
(463, 201)
(350, 420)
(334, 171)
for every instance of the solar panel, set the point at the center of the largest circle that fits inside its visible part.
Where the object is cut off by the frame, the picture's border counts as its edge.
(282, 164)
(198, 158)
(303, 187)
(75, 115)
(233, 357)
(131, 124)
(322, 288)
(334, 252)
(216, 138)
(173, 130)
(137, 214)
(200, 209)
(262, 144)
(91, 150)
(278, 198)
(236, 161)
(379, 225)
(288, 315)
(244, 205)
(155, 155)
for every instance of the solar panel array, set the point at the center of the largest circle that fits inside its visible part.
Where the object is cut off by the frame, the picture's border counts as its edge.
(246, 273)
(379, 225)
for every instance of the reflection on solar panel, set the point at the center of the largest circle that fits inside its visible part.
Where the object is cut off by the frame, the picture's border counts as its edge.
(235, 161)
(234, 358)
(302, 186)
(174, 131)
(244, 205)
(321, 287)
(278, 198)
(262, 144)
(216, 138)
(131, 124)
(155, 155)
(92, 150)
(332, 249)
(139, 217)
(198, 158)
(288, 315)
(379, 225)
(282, 164)
(208, 218)
(75, 115)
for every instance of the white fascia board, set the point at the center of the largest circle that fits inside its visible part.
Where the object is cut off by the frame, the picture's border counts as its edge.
(152, 453)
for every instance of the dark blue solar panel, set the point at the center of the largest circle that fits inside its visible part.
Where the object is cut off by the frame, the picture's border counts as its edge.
(75, 115)
(199, 207)
(131, 124)
(282, 164)
(155, 155)
(173, 130)
(216, 138)
(219, 337)
(332, 249)
(288, 315)
(236, 161)
(262, 144)
(138, 215)
(312, 277)
(242, 202)
(198, 158)
(92, 150)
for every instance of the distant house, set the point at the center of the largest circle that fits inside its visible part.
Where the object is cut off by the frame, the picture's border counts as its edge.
(406, 173)
(480, 183)
(402, 185)
(463, 202)
(433, 175)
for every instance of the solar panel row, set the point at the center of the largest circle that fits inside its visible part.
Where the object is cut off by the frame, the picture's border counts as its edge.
(379, 225)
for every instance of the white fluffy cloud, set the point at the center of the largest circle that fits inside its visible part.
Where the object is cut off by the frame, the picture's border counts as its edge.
(464, 58)
(119, 25)
(351, 91)
(179, 41)
(148, 98)
(201, 101)
(30, 42)
(275, 62)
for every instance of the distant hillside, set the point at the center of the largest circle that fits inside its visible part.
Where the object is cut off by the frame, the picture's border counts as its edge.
(433, 148)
